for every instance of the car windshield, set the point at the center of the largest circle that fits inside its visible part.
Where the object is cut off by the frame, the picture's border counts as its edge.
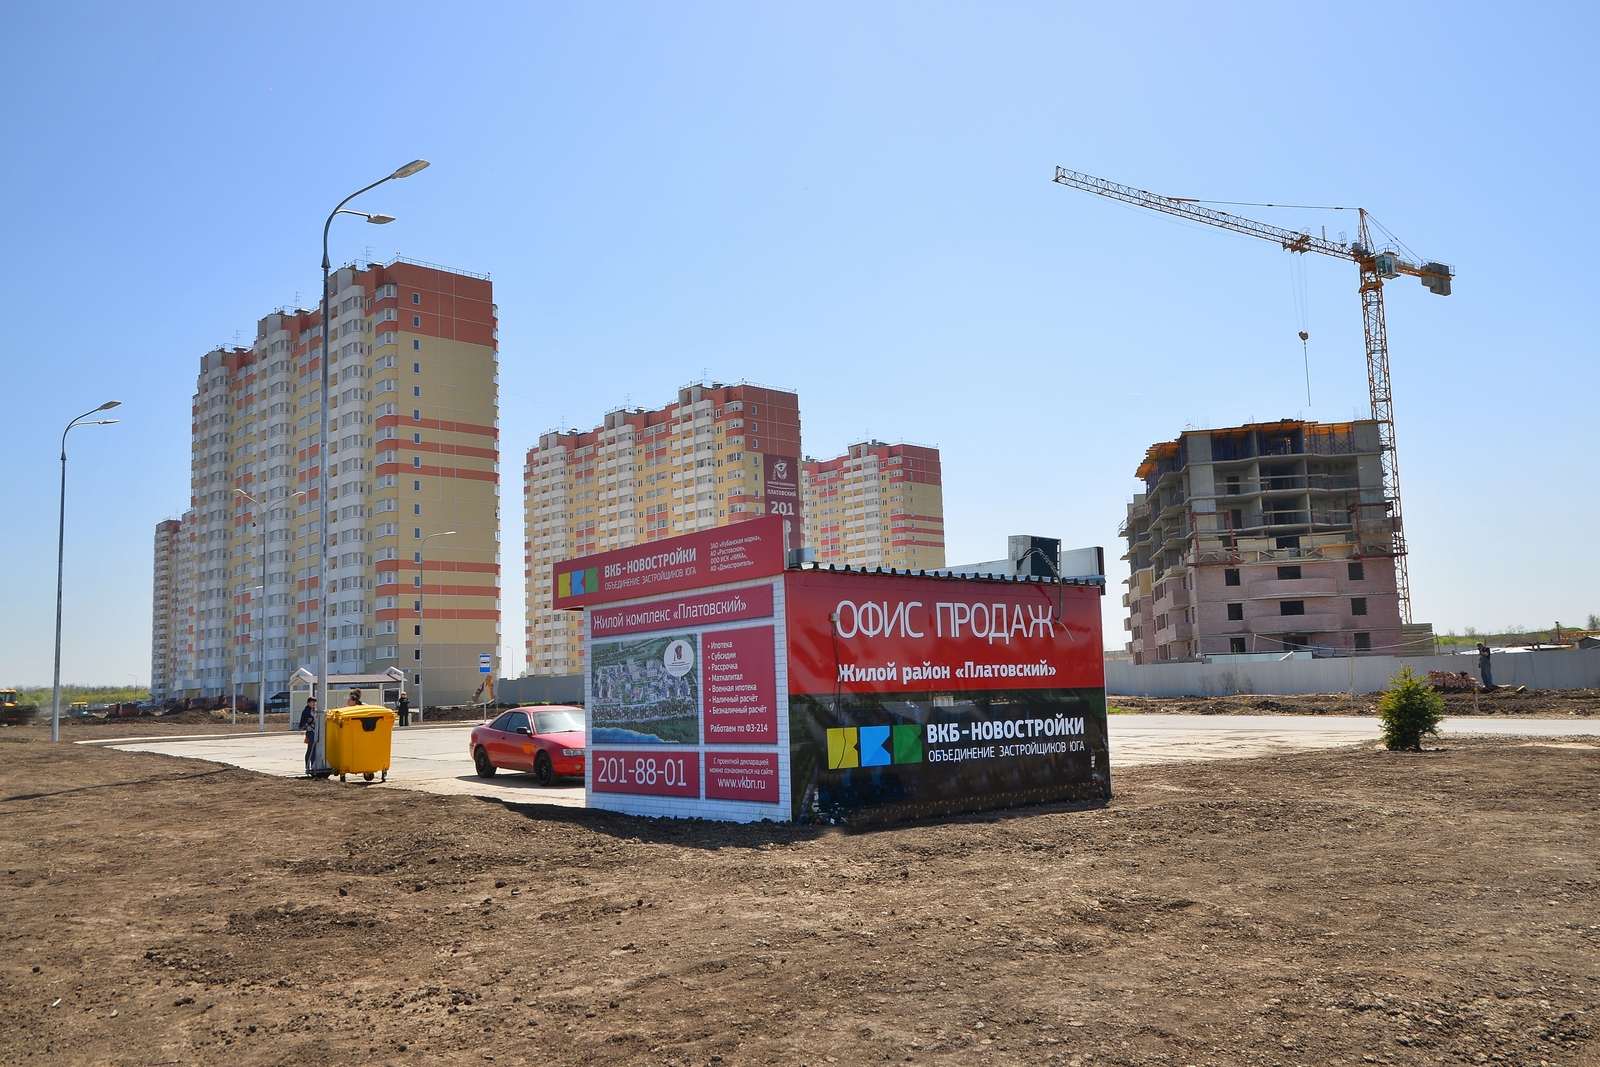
(557, 722)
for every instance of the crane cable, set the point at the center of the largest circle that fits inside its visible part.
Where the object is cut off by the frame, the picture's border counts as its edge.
(1302, 314)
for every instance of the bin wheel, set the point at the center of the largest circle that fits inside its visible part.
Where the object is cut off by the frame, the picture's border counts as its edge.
(341, 778)
(543, 770)
(368, 776)
(385, 777)
(480, 760)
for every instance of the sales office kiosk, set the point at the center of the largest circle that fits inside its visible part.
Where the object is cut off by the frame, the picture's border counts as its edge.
(722, 684)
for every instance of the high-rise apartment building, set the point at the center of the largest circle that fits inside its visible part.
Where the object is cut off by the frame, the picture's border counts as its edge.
(877, 505)
(1264, 538)
(413, 452)
(172, 610)
(720, 454)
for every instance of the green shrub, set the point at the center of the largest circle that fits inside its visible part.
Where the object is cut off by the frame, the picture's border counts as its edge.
(1408, 709)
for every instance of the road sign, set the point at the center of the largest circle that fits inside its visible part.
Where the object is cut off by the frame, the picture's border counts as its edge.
(484, 662)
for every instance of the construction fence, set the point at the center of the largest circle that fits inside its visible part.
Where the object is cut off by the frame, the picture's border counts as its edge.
(540, 689)
(1554, 669)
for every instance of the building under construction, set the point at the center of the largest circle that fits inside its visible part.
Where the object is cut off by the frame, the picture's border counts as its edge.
(1267, 538)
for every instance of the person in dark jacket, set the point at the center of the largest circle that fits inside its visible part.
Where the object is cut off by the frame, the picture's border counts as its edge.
(1483, 666)
(402, 708)
(308, 724)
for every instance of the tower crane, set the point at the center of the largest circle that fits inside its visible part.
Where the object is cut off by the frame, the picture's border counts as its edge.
(1375, 264)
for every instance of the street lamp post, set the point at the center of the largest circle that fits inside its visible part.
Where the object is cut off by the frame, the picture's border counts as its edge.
(260, 609)
(422, 592)
(322, 449)
(61, 555)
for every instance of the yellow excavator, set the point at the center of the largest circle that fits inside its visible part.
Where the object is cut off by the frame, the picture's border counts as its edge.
(488, 681)
(14, 714)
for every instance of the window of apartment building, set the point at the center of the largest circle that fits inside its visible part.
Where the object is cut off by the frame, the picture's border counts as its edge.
(416, 368)
(1230, 576)
(1363, 642)
(1236, 645)
(416, 485)
(1291, 607)
(1236, 517)
(416, 390)
(416, 534)
(416, 320)
(1289, 542)
(416, 298)
(416, 461)
(416, 630)
(416, 414)
(1358, 573)
(416, 438)
(1358, 605)
(1288, 574)
(416, 346)
(1235, 612)
(416, 557)
(416, 509)
(1233, 485)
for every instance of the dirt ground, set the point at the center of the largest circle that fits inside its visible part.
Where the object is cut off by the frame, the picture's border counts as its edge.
(1346, 906)
(1528, 704)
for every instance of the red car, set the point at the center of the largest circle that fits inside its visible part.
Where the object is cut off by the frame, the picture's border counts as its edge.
(547, 740)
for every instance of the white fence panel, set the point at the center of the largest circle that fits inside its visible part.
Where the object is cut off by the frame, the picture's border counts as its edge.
(1366, 674)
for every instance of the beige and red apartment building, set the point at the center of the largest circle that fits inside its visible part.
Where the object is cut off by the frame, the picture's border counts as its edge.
(413, 450)
(719, 455)
(877, 505)
(1262, 539)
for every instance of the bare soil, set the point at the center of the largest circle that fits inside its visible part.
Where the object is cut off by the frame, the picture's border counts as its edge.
(1527, 704)
(1342, 907)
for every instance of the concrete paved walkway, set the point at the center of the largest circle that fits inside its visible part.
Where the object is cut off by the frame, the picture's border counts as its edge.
(434, 759)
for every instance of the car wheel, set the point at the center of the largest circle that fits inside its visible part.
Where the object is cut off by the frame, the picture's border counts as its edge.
(481, 759)
(543, 771)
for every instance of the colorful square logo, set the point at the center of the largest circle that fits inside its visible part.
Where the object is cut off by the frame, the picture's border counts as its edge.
(873, 746)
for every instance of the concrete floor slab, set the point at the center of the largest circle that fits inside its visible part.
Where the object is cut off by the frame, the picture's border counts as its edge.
(434, 759)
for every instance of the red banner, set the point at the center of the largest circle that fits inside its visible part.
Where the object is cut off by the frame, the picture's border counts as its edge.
(733, 553)
(660, 771)
(741, 687)
(753, 602)
(742, 776)
(859, 633)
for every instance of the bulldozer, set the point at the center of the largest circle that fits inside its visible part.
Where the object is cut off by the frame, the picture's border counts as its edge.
(13, 713)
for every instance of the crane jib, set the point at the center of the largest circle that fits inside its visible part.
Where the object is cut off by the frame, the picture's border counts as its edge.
(1375, 265)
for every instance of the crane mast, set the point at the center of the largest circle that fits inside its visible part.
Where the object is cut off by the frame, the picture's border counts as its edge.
(1374, 264)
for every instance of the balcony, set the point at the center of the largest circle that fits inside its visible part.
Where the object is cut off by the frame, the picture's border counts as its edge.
(1175, 597)
(1178, 631)
(1291, 589)
(1312, 622)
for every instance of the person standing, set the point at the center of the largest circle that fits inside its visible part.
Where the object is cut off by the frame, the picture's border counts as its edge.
(402, 707)
(308, 724)
(1483, 666)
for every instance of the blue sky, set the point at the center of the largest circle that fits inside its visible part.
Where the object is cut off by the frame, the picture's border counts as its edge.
(851, 200)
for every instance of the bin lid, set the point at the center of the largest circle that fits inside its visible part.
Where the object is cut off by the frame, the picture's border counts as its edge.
(362, 711)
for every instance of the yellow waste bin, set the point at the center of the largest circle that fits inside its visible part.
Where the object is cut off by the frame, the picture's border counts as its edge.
(359, 738)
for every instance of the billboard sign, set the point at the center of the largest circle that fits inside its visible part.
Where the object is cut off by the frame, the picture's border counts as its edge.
(733, 553)
(912, 695)
(685, 712)
(780, 482)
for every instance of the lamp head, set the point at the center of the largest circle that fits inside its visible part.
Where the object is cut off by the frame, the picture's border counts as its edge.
(108, 405)
(104, 422)
(380, 219)
(410, 168)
